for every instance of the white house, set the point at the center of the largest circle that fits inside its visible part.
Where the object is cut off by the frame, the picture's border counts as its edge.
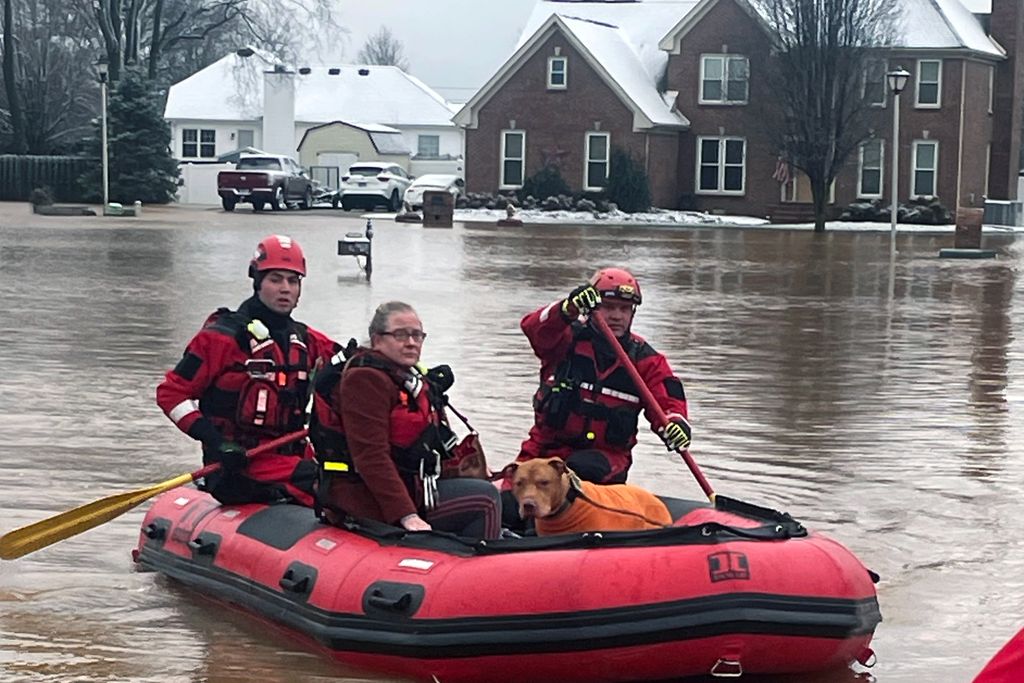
(257, 101)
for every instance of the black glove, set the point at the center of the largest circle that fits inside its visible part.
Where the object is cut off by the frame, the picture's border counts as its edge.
(230, 455)
(441, 378)
(581, 301)
(676, 432)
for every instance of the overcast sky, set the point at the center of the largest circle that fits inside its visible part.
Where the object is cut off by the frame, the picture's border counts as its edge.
(451, 45)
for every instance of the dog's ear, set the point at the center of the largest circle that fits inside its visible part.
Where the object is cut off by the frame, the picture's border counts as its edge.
(558, 464)
(509, 470)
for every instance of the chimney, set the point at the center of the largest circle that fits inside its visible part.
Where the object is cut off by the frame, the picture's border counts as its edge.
(279, 111)
(1007, 24)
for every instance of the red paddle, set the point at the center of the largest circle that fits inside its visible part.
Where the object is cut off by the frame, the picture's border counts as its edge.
(648, 398)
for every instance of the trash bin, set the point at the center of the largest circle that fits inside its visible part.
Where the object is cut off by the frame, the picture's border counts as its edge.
(438, 209)
(968, 228)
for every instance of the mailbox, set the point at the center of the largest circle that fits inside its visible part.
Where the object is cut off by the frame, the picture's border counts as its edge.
(438, 209)
(354, 244)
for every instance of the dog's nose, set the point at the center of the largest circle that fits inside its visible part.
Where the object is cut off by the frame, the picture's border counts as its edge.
(529, 508)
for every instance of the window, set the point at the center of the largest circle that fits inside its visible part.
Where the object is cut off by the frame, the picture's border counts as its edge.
(513, 158)
(723, 79)
(929, 83)
(875, 86)
(597, 161)
(557, 67)
(428, 146)
(198, 143)
(926, 163)
(869, 183)
(189, 140)
(721, 165)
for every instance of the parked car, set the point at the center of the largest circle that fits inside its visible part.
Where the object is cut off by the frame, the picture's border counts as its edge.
(374, 183)
(265, 179)
(440, 182)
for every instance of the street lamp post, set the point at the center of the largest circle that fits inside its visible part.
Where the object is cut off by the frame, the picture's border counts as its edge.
(103, 70)
(897, 81)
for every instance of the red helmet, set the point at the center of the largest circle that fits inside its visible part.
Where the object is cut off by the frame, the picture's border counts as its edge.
(616, 283)
(277, 252)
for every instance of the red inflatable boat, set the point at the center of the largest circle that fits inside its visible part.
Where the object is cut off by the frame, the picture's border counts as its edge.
(727, 590)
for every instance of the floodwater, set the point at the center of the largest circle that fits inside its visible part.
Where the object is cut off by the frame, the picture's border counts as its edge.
(878, 399)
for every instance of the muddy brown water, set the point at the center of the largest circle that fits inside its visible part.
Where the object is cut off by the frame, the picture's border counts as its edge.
(878, 399)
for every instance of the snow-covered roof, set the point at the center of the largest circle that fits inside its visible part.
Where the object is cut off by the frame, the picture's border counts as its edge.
(609, 49)
(618, 40)
(231, 89)
(640, 26)
(389, 143)
(924, 25)
(929, 24)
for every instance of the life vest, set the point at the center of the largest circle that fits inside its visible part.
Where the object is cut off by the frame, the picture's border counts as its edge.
(586, 406)
(265, 395)
(419, 437)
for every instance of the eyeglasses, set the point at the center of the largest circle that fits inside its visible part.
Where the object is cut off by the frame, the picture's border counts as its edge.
(406, 335)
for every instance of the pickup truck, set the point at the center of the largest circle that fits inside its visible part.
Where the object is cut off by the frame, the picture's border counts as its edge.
(265, 179)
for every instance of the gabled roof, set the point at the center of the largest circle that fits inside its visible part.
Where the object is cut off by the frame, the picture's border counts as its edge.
(945, 24)
(231, 89)
(624, 54)
(386, 140)
(926, 25)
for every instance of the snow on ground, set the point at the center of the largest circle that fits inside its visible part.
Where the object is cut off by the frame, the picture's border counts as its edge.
(665, 217)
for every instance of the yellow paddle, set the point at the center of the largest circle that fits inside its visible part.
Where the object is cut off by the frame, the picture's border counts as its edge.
(28, 539)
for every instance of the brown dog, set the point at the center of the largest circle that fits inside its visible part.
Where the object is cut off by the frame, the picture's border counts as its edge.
(543, 489)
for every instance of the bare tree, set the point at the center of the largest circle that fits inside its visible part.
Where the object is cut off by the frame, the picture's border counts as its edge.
(50, 89)
(15, 118)
(384, 49)
(820, 115)
(150, 31)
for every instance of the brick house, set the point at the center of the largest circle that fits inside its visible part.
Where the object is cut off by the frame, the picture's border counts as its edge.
(676, 84)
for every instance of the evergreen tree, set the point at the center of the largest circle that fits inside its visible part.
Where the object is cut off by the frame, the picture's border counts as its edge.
(138, 144)
(627, 183)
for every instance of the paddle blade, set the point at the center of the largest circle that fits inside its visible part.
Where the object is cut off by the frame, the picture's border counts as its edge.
(27, 539)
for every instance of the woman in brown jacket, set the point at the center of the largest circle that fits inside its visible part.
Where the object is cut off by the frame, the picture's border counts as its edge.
(380, 434)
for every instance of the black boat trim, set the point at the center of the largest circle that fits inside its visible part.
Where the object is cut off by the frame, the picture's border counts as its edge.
(636, 625)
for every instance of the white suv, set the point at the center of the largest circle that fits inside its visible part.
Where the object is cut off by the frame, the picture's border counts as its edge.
(373, 183)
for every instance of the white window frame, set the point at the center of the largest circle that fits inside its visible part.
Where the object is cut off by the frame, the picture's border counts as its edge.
(884, 89)
(722, 143)
(419, 145)
(205, 149)
(522, 160)
(861, 194)
(725, 59)
(587, 187)
(918, 82)
(564, 72)
(914, 194)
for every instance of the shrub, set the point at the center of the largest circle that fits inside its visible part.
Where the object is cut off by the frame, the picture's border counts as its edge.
(41, 196)
(923, 211)
(547, 182)
(627, 183)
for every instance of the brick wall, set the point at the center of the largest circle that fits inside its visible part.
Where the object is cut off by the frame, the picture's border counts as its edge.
(727, 28)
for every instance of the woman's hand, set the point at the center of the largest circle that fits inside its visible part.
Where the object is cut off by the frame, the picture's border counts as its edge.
(414, 522)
